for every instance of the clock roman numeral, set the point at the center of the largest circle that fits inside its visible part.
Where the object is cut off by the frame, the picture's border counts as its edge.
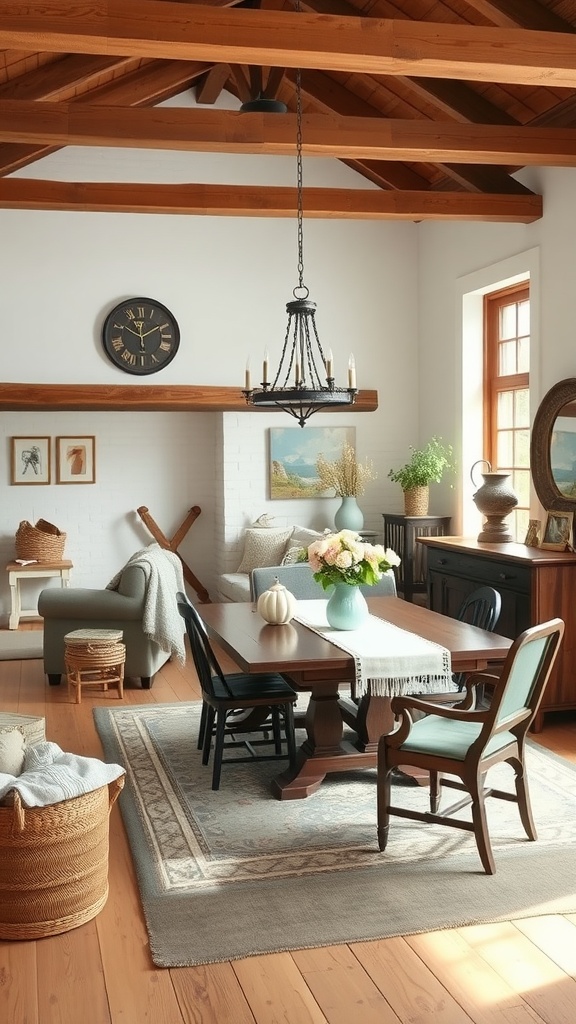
(129, 357)
(117, 344)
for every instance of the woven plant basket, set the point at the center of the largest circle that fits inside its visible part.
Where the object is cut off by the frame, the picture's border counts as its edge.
(43, 542)
(54, 863)
(416, 501)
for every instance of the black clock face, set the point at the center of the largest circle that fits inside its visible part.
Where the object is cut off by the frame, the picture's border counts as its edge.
(140, 336)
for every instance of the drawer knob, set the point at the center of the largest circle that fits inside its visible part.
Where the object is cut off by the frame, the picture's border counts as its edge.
(442, 561)
(505, 576)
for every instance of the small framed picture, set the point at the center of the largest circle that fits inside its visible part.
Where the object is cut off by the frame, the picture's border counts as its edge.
(532, 539)
(557, 531)
(76, 460)
(30, 460)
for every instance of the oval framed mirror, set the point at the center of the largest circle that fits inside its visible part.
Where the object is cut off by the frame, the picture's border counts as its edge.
(553, 447)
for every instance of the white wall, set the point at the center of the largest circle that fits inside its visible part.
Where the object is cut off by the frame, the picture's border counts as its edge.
(454, 258)
(227, 280)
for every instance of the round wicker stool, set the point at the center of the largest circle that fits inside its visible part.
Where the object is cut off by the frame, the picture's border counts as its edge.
(94, 657)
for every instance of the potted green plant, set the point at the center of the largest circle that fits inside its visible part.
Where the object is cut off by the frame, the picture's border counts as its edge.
(425, 466)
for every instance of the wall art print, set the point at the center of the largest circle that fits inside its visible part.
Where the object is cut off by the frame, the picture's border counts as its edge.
(30, 460)
(76, 460)
(293, 455)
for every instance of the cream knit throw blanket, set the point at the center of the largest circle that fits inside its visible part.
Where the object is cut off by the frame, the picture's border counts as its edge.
(161, 621)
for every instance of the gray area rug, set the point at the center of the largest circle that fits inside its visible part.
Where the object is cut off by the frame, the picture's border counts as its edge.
(16, 645)
(236, 873)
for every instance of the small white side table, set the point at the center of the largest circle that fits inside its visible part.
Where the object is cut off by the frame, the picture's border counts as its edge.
(37, 570)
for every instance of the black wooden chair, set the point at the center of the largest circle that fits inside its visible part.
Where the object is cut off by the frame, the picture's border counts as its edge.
(465, 743)
(224, 695)
(480, 608)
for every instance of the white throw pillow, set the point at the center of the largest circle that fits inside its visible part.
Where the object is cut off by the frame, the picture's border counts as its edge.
(303, 536)
(263, 547)
(12, 747)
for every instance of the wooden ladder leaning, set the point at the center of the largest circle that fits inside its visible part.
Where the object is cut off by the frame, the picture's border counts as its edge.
(174, 542)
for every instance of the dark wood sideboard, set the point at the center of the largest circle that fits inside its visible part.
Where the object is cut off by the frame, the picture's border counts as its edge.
(535, 586)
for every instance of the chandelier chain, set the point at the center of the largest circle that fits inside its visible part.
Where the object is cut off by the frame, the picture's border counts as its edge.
(300, 210)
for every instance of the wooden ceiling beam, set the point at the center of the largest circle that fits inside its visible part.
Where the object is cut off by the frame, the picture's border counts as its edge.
(144, 398)
(150, 84)
(257, 201)
(149, 28)
(50, 81)
(524, 13)
(225, 131)
(210, 86)
(335, 98)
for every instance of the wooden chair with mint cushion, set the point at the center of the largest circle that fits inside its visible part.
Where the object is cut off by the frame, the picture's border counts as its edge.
(466, 743)
(224, 695)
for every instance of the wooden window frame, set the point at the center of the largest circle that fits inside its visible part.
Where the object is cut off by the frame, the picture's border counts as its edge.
(493, 384)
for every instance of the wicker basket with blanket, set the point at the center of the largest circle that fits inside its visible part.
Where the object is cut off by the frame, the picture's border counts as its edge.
(54, 863)
(43, 542)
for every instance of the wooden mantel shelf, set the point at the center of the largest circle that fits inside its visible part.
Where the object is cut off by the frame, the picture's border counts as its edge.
(142, 398)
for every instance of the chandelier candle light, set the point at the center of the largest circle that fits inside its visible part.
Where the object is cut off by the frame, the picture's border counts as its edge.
(304, 381)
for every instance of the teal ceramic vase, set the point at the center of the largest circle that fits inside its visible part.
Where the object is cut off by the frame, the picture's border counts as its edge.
(347, 607)
(349, 515)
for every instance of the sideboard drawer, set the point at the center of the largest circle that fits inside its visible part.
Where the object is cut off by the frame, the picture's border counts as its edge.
(485, 570)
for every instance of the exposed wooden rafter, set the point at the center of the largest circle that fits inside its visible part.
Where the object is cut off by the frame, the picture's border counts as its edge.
(225, 131)
(148, 28)
(256, 201)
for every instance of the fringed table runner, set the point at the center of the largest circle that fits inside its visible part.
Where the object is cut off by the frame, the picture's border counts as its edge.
(389, 661)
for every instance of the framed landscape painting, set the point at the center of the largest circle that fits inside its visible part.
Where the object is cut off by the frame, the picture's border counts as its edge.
(293, 455)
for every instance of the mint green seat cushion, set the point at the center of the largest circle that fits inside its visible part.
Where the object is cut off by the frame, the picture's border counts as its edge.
(442, 737)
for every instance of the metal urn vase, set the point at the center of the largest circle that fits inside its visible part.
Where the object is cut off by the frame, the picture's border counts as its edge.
(495, 499)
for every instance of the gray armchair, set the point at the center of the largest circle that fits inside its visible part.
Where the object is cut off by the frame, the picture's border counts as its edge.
(69, 609)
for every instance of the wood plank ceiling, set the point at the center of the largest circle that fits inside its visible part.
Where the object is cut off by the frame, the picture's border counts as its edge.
(436, 102)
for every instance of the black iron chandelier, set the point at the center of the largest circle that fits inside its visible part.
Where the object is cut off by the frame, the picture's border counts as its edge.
(304, 381)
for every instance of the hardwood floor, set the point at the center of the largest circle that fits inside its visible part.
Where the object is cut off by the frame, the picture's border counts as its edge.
(514, 973)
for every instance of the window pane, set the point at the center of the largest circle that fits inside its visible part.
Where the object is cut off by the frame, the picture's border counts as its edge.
(524, 317)
(505, 449)
(508, 321)
(521, 486)
(521, 408)
(524, 354)
(520, 521)
(507, 358)
(506, 409)
(522, 448)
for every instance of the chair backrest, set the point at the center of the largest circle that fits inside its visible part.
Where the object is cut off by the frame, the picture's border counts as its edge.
(526, 671)
(299, 580)
(481, 608)
(205, 660)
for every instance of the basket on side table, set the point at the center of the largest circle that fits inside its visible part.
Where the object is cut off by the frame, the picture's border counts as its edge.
(94, 657)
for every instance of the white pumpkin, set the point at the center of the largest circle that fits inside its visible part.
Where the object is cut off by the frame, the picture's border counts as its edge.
(277, 605)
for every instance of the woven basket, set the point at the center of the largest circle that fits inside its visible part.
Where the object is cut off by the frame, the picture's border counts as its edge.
(54, 863)
(416, 501)
(43, 542)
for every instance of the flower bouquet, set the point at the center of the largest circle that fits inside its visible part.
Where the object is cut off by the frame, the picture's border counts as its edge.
(343, 558)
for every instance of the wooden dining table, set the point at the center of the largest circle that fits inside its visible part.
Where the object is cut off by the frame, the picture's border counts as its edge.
(314, 664)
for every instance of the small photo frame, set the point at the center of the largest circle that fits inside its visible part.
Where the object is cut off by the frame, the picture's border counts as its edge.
(533, 533)
(30, 460)
(557, 531)
(76, 460)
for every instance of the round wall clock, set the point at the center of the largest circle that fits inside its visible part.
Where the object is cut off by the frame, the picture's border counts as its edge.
(140, 336)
